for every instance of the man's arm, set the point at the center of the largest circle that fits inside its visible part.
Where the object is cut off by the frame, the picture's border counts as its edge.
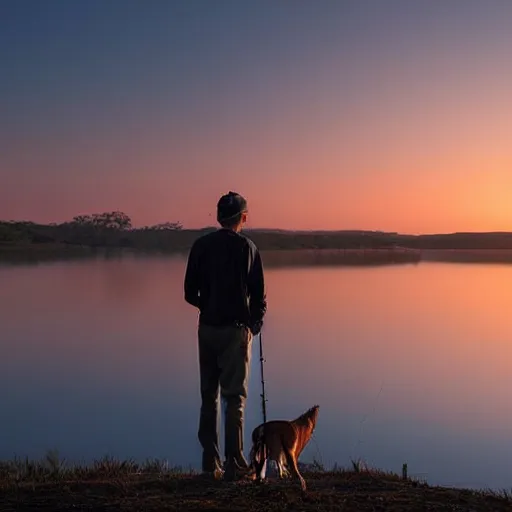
(191, 283)
(256, 288)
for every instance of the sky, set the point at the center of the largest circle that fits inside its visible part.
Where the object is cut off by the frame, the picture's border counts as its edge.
(388, 115)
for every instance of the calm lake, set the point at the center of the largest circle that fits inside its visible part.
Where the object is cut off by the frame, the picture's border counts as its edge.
(409, 363)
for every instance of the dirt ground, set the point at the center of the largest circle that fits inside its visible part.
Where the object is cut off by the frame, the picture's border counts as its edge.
(343, 491)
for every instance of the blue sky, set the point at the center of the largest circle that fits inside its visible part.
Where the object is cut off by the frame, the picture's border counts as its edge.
(146, 105)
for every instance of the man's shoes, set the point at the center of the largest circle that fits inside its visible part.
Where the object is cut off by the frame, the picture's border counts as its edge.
(215, 474)
(234, 471)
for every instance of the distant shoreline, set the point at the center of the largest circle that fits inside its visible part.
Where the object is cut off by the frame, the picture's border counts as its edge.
(111, 235)
(300, 256)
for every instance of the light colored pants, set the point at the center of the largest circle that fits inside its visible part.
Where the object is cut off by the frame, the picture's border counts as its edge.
(224, 364)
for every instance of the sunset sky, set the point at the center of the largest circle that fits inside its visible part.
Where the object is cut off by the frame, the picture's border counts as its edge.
(363, 114)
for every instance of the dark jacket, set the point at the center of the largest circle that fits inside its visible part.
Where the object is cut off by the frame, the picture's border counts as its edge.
(224, 279)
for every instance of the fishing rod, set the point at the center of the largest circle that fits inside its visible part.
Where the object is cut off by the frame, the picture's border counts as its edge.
(263, 398)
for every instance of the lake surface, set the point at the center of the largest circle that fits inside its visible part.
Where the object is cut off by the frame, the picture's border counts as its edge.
(409, 363)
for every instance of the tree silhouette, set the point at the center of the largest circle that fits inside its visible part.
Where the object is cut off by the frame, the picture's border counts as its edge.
(167, 226)
(107, 220)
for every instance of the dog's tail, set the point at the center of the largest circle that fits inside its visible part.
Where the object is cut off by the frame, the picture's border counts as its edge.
(259, 447)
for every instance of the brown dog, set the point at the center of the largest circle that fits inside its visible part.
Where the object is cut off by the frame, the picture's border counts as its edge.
(282, 441)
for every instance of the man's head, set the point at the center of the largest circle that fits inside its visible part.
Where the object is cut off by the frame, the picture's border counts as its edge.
(232, 211)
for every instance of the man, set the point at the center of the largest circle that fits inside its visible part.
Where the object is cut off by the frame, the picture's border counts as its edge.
(224, 280)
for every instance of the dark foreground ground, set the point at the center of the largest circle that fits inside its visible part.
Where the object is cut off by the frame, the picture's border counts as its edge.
(118, 488)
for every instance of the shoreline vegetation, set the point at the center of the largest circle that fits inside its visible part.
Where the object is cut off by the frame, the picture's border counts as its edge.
(111, 234)
(108, 484)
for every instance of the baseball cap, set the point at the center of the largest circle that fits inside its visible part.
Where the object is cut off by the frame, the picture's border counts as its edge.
(230, 205)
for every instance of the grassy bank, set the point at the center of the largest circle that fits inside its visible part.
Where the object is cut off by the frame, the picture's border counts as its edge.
(336, 257)
(27, 253)
(467, 255)
(272, 258)
(113, 485)
(21, 254)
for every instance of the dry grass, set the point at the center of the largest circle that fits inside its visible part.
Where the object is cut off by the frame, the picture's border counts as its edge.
(109, 484)
(308, 257)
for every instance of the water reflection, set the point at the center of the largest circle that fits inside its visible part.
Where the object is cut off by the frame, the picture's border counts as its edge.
(408, 363)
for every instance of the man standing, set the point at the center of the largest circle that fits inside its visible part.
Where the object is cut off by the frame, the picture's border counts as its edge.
(224, 280)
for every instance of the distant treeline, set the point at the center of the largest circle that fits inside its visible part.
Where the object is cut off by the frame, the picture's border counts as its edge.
(114, 229)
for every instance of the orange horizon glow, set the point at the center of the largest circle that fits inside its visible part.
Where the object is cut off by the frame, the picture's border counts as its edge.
(460, 185)
(393, 118)
(478, 205)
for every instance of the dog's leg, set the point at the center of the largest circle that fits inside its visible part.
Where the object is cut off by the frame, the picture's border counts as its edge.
(263, 470)
(259, 460)
(260, 467)
(292, 464)
(280, 468)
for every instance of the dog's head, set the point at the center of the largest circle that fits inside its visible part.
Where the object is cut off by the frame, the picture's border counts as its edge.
(309, 417)
(312, 415)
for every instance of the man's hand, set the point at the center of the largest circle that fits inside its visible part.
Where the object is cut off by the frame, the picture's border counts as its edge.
(256, 328)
